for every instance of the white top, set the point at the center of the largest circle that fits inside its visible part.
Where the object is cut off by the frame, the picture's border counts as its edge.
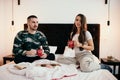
(75, 38)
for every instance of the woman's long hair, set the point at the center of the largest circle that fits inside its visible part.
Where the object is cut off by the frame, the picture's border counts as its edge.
(83, 28)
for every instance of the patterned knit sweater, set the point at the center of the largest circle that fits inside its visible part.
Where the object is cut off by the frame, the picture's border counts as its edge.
(25, 41)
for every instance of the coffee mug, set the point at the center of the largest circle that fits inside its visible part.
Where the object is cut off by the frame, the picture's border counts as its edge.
(71, 44)
(40, 52)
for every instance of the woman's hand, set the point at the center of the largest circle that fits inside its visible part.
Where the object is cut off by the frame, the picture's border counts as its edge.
(77, 44)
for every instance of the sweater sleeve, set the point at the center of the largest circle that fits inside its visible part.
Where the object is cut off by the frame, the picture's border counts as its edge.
(17, 45)
(44, 43)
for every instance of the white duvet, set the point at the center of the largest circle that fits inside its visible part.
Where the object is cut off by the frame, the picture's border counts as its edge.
(44, 73)
(101, 74)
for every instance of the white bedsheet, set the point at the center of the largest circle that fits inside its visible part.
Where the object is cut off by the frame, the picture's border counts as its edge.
(95, 75)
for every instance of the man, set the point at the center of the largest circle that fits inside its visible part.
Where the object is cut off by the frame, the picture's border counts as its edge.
(28, 42)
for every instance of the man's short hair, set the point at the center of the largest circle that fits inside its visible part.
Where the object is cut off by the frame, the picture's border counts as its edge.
(31, 16)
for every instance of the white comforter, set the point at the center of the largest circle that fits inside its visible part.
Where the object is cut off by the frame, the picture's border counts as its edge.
(44, 73)
(66, 73)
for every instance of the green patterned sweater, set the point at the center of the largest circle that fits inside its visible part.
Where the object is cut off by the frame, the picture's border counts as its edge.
(25, 41)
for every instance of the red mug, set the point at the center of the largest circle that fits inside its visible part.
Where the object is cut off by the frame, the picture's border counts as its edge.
(71, 44)
(40, 52)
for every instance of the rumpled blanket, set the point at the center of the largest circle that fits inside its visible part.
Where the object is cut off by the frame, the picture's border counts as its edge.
(34, 72)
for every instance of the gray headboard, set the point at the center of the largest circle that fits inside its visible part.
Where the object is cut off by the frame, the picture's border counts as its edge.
(58, 33)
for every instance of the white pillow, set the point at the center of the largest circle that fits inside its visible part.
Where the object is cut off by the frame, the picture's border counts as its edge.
(53, 49)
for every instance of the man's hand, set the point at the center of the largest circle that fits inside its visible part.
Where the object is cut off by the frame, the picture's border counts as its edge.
(31, 52)
(44, 55)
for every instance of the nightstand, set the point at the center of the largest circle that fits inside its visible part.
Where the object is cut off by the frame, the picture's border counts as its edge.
(8, 58)
(114, 62)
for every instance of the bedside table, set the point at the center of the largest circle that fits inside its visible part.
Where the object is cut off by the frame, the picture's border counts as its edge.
(8, 58)
(114, 62)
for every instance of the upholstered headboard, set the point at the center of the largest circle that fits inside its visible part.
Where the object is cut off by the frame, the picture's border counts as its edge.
(58, 33)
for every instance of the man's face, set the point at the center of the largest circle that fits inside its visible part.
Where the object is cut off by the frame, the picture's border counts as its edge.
(33, 24)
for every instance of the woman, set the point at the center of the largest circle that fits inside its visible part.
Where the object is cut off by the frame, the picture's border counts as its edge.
(81, 37)
(83, 45)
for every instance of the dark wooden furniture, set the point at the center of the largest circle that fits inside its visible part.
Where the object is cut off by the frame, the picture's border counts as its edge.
(8, 58)
(114, 62)
(58, 34)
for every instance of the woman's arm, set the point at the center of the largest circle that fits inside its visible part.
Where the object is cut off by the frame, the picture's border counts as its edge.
(90, 45)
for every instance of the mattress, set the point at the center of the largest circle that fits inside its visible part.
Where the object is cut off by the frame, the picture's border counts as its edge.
(101, 74)
(62, 72)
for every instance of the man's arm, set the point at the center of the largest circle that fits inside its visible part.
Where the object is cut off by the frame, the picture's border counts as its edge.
(44, 44)
(17, 46)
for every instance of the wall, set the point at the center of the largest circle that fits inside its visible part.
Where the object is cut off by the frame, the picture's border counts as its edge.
(61, 11)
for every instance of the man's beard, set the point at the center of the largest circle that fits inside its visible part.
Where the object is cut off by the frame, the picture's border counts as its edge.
(33, 29)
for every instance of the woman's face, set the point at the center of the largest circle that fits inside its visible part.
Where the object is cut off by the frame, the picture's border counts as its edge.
(78, 21)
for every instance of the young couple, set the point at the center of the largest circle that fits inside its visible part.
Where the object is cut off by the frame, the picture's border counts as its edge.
(27, 44)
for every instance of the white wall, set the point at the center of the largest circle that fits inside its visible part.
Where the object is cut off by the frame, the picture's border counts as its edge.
(61, 11)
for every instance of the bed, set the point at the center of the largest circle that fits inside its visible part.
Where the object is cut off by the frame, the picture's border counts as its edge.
(58, 35)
